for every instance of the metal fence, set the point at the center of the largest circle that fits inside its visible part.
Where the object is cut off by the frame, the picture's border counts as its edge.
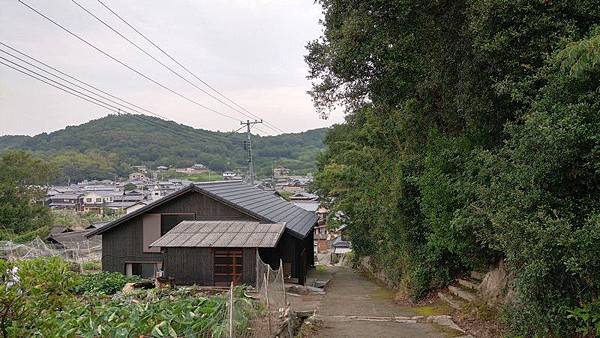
(79, 253)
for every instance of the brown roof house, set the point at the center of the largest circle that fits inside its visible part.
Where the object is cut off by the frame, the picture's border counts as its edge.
(211, 233)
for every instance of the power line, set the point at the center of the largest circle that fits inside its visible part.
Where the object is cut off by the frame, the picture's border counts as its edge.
(124, 64)
(184, 67)
(157, 60)
(88, 85)
(97, 101)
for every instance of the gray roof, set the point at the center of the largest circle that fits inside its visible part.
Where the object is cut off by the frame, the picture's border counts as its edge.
(221, 234)
(74, 239)
(263, 205)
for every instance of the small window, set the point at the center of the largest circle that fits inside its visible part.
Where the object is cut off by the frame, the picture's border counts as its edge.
(98, 200)
(144, 270)
(89, 200)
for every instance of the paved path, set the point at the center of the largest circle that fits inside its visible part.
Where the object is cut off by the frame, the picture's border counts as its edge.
(355, 306)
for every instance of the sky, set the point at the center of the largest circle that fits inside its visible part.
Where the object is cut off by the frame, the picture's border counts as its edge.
(252, 51)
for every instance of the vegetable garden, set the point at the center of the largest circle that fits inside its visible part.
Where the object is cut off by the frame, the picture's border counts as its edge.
(42, 297)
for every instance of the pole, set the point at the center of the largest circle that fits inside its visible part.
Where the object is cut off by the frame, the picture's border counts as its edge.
(266, 285)
(248, 144)
(231, 310)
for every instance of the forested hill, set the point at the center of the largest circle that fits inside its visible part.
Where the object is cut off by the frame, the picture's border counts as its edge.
(108, 146)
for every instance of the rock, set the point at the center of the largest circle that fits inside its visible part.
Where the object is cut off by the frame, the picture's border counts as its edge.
(128, 288)
(445, 320)
(495, 286)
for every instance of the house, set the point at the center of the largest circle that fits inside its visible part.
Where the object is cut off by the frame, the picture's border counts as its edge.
(137, 176)
(229, 251)
(141, 242)
(229, 175)
(136, 206)
(92, 202)
(162, 168)
(75, 242)
(280, 171)
(65, 201)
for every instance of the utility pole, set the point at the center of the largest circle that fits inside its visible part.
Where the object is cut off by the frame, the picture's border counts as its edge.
(248, 147)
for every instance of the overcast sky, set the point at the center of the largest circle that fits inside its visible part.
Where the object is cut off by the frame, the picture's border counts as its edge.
(251, 50)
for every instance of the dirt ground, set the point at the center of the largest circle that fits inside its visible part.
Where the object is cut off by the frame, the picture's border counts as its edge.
(356, 306)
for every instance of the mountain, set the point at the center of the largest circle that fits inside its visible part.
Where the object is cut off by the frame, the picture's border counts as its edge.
(110, 145)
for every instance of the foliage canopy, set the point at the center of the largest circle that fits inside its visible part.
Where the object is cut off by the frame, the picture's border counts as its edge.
(470, 137)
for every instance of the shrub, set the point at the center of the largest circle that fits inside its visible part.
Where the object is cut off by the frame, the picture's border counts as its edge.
(30, 290)
(91, 265)
(106, 283)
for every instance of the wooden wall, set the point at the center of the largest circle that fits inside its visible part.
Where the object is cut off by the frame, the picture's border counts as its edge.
(196, 266)
(124, 242)
(189, 265)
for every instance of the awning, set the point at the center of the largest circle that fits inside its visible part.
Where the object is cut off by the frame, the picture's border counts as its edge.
(221, 234)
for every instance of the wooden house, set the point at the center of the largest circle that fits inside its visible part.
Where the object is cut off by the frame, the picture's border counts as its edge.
(142, 243)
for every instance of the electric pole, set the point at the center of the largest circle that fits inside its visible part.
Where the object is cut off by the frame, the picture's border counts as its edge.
(248, 147)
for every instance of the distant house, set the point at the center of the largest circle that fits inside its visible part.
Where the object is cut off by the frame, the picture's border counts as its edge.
(280, 171)
(92, 202)
(162, 168)
(75, 242)
(232, 225)
(137, 176)
(136, 206)
(65, 201)
(341, 244)
(230, 175)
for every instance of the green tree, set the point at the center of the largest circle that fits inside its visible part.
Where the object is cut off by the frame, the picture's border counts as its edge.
(23, 178)
(443, 161)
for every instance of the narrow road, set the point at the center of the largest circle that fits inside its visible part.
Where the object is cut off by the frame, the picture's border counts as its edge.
(355, 306)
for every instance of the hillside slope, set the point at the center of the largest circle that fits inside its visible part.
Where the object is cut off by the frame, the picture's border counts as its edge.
(108, 146)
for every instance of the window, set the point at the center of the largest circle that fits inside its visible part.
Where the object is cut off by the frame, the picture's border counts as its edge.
(98, 200)
(229, 264)
(142, 269)
(88, 200)
(168, 222)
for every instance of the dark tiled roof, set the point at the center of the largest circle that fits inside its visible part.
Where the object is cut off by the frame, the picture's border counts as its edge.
(73, 239)
(338, 242)
(264, 205)
(221, 234)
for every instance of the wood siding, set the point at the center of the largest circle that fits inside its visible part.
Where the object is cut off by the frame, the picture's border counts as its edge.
(189, 265)
(124, 243)
(196, 266)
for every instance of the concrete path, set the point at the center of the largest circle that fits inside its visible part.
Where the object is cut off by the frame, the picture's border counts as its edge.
(355, 306)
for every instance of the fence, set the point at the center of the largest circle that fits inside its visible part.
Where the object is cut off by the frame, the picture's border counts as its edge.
(78, 252)
(271, 293)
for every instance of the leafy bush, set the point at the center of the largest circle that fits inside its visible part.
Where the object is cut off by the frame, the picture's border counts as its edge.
(106, 283)
(91, 265)
(37, 299)
(31, 290)
(588, 318)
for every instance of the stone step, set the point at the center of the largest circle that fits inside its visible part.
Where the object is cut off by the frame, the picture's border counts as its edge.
(469, 284)
(477, 275)
(451, 300)
(462, 293)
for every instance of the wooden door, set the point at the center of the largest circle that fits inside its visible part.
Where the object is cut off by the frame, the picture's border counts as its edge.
(228, 266)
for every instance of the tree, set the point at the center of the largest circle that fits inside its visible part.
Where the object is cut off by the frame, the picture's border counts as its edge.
(23, 179)
(454, 153)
